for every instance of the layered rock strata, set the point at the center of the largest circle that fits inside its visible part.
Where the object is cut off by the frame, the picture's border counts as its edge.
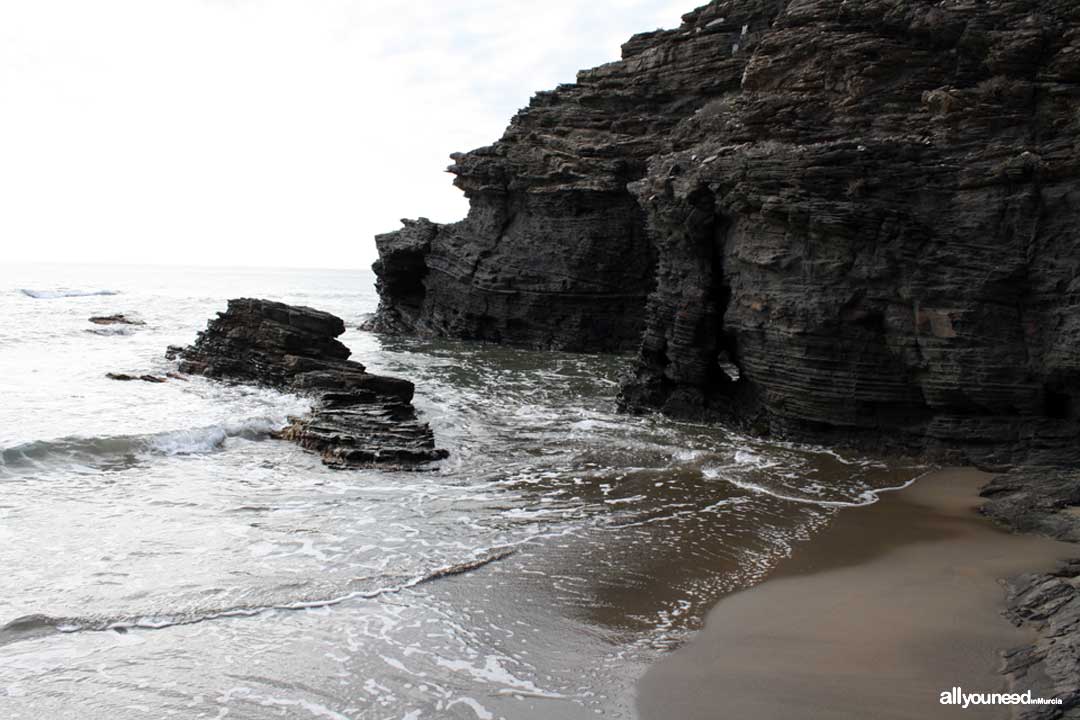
(357, 418)
(1048, 604)
(851, 217)
(1042, 500)
(878, 231)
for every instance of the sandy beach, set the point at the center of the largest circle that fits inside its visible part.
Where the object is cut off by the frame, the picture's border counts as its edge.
(876, 616)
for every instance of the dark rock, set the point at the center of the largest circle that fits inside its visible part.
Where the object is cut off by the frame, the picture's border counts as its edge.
(867, 207)
(125, 377)
(118, 319)
(1036, 499)
(269, 343)
(1048, 604)
(874, 263)
(1043, 500)
(357, 419)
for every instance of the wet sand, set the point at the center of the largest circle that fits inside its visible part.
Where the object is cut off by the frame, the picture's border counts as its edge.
(874, 617)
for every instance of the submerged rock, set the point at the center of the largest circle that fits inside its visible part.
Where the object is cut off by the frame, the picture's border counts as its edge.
(852, 220)
(357, 418)
(127, 378)
(118, 319)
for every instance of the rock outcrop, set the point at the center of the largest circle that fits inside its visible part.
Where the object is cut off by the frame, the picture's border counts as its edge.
(357, 418)
(852, 218)
(1036, 499)
(1048, 604)
(1042, 500)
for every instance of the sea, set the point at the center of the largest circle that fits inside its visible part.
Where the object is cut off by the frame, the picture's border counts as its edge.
(163, 556)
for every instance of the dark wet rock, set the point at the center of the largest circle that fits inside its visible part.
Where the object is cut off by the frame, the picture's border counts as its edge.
(127, 378)
(867, 208)
(878, 231)
(1036, 499)
(1048, 604)
(357, 418)
(118, 319)
(1043, 500)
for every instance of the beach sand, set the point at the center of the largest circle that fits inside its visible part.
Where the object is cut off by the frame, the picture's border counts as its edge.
(874, 617)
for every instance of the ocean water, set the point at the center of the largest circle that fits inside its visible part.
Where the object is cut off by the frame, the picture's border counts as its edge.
(164, 557)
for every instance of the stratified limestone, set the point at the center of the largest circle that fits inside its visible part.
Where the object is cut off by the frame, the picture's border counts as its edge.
(358, 419)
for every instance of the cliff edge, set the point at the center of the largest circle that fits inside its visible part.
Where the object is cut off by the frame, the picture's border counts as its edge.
(809, 216)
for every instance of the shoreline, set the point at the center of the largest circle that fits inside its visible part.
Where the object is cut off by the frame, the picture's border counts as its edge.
(877, 615)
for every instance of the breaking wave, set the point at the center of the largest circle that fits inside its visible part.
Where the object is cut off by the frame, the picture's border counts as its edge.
(37, 625)
(189, 441)
(64, 293)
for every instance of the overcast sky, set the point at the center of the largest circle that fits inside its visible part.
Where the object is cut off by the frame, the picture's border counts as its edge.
(266, 132)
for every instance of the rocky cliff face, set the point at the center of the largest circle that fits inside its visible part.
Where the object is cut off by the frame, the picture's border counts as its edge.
(357, 419)
(554, 252)
(809, 215)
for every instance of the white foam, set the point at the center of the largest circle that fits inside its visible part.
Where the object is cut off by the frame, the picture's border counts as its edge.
(63, 293)
(481, 712)
(866, 497)
(202, 440)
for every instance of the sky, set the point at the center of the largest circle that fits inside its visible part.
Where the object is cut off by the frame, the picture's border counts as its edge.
(281, 133)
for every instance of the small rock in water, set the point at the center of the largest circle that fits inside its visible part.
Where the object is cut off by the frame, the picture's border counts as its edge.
(358, 419)
(118, 319)
(145, 378)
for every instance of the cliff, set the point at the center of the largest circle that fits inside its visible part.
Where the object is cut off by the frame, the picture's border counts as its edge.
(809, 216)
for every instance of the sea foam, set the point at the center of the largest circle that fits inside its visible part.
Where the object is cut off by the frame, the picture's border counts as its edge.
(63, 293)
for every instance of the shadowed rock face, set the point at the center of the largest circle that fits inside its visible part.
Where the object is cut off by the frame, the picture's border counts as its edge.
(855, 216)
(358, 418)
(879, 230)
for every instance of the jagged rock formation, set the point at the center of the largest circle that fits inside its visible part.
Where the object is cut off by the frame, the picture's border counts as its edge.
(357, 419)
(1036, 499)
(1049, 604)
(1043, 500)
(862, 216)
